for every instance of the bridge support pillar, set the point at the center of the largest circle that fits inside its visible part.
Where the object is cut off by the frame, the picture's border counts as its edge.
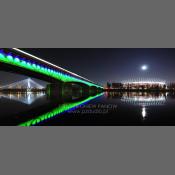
(93, 90)
(67, 91)
(89, 90)
(85, 90)
(100, 90)
(55, 90)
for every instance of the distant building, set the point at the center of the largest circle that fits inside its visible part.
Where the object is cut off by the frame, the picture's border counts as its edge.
(144, 84)
(108, 86)
(171, 86)
(117, 86)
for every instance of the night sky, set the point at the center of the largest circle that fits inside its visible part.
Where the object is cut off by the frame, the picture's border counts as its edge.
(102, 65)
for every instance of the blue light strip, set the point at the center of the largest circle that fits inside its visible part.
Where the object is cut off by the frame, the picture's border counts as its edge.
(40, 68)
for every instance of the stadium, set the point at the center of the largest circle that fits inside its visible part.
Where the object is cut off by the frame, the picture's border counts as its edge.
(144, 84)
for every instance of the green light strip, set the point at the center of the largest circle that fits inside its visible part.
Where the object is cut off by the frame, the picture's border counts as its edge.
(62, 108)
(8, 59)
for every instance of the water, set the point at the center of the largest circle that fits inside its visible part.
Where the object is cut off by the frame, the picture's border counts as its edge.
(107, 109)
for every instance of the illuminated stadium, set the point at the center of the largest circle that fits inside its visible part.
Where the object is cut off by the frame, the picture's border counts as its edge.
(144, 83)
(144, 99)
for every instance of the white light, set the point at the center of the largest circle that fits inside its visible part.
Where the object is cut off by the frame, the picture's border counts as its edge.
(27, 82)
(144, 99)
(144, 67)
(145, 82)
(143, 112)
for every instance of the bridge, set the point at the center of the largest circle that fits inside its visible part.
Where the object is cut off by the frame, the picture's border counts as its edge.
(23, 85)
(18, 61)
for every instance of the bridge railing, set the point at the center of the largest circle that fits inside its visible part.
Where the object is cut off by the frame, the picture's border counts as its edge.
(32, 63)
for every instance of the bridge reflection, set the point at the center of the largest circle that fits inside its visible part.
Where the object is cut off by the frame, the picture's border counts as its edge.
(58, 110)
(26, 98)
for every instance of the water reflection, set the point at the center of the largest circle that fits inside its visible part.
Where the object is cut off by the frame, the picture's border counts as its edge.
(26, 98)
(58, 110)
(144, 112)
(142, 99)
(132, 108)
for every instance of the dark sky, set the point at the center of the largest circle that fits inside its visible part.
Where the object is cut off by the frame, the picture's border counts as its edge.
(102, 65)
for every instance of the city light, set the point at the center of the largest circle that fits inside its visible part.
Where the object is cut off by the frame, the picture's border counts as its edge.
(145, 81)
(23, 84)
(144, 100)
(25, 98)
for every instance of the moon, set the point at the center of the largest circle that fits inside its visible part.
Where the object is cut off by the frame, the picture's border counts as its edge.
(144, 67)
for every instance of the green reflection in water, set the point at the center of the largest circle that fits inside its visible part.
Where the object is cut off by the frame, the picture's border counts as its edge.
(60, 109)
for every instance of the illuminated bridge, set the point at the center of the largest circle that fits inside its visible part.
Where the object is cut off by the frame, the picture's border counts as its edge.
(18, 61)
(27, 85)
